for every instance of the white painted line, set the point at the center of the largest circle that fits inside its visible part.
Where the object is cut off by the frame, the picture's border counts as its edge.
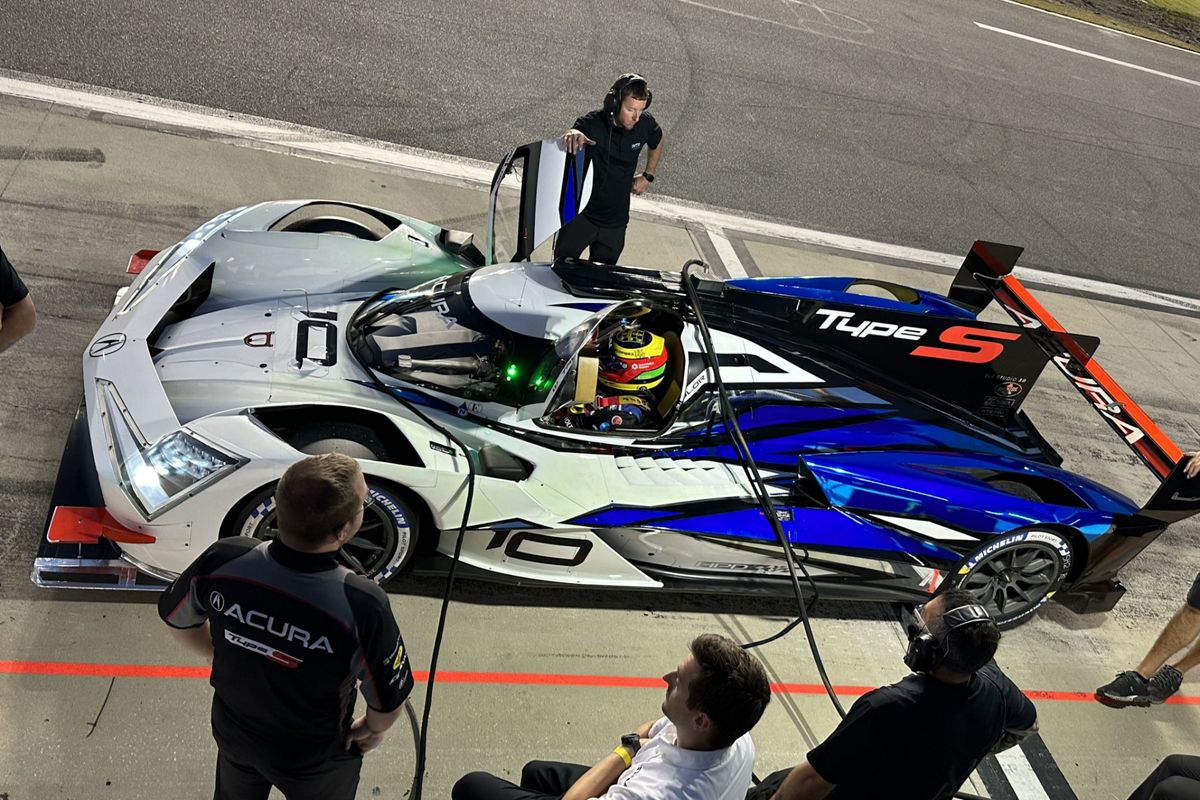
(729, 258)
(1020, 774)
(1086, 54)
(1104, 28)
(325, 145)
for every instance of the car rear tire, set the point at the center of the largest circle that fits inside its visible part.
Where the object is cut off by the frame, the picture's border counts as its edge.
(1013, 575)
(382, 548)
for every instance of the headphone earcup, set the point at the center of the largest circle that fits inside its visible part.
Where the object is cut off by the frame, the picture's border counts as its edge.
(611, 101)
(649, 97)
(923, 653)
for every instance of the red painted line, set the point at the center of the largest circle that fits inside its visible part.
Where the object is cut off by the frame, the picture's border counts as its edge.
(518, 678)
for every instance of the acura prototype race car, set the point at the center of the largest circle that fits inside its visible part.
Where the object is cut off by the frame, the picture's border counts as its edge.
(569, 418)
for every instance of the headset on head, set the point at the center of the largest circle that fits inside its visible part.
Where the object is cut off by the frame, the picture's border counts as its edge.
(926, 651)
(612, 100)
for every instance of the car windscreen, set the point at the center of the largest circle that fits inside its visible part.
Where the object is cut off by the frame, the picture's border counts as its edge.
(435, 337)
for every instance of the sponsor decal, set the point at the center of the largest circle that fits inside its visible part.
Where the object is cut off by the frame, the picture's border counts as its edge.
(462, 410)
(971, 345)
(1110, 409)
(635, 146)
(965, 344)
(1183, 499)
(259, 339)
(278, 656)
(440, 305)
(216, 601)
(842, 321)
(106, 345)
(284, 630)
(1052, 539)
(398, 657)
(1009, 389)
(729, 566)
(441, 448)
(999, 402)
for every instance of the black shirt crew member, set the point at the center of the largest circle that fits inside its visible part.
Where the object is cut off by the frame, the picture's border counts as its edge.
(899, 725)
(615, 137)
(615, 156)
(291, 632)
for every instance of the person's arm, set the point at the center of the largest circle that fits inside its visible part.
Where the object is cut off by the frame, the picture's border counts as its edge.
(803, 783)
(597, 780)
(198, 640)
(384, 672)
(575, 140)
(368, 730)
(653, 154)
(1020, 719)
(17, 321)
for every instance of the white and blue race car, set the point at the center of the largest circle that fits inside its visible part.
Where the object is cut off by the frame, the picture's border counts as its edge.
(577, 407)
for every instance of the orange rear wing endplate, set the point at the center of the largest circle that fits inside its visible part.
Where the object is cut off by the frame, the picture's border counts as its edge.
(989, 266)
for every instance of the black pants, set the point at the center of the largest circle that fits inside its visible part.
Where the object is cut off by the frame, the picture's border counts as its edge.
(335, 778)
(605, 244)
(768, 786)
(540, 780)
(1176, 778)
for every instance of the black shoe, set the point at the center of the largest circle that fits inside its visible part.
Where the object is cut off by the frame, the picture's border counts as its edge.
(1164, 683)
(1127, 689)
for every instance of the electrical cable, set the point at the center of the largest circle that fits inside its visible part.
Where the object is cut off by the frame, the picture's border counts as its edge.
(430, 681)
(761, 493)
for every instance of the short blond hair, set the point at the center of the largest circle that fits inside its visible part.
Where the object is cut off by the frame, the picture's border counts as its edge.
(316, 496)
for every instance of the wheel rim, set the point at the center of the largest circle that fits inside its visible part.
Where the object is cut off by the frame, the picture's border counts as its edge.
(1014, 580)
(371, 549)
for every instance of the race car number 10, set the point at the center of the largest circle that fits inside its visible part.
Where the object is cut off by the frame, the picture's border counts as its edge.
(542, 548)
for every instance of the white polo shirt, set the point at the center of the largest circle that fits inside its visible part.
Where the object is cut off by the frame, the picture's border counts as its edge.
(662, 770)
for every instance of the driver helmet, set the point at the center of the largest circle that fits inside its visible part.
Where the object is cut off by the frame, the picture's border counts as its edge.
(637, 360)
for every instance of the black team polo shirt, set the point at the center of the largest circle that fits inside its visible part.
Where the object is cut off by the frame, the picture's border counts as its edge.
(615, 155)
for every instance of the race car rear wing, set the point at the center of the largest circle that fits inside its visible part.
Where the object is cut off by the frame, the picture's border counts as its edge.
(990, 266)
(987, 273)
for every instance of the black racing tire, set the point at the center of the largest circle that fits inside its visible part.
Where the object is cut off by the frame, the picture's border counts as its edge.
(334, 219)
(1013, 575)
(383, 547)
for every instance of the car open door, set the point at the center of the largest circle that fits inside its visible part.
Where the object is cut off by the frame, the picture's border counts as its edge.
(536, 189)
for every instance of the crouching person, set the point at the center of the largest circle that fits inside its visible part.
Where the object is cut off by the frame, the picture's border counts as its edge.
(920, 738)
(699, 749)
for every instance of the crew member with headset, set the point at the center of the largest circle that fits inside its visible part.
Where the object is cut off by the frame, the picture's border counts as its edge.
(615, 135)
(919, 738)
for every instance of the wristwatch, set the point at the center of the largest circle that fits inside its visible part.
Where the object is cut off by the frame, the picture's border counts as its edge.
(630, 744)
(648, 176)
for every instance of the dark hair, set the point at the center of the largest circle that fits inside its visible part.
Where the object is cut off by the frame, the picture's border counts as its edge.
(316, 496)
(732, 689)
(970, 647)
(638, 90)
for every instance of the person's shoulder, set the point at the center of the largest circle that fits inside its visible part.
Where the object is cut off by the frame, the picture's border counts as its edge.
(591, 119)
(226, 549)
(365, 595)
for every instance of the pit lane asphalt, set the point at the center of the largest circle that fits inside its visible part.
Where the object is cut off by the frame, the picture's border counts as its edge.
(900, 121)
(86, 191)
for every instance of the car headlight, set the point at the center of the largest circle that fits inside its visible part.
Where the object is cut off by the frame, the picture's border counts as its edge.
(157, 475)
(172, 465)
